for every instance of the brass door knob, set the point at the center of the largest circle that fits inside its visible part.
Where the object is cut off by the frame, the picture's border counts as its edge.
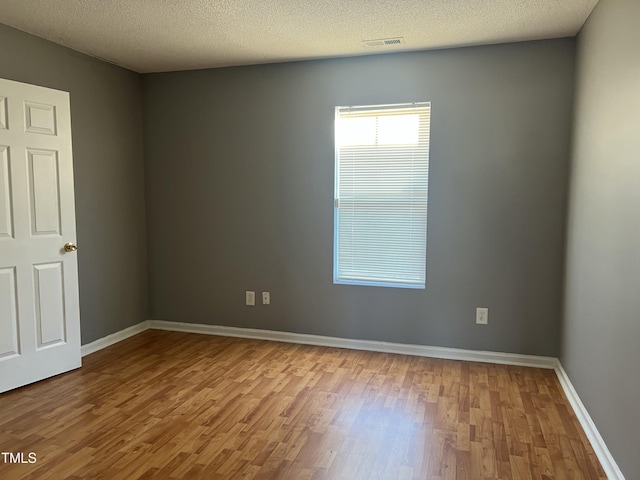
(70, 247)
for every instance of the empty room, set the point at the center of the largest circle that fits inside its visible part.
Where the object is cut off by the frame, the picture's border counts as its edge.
(319, 240)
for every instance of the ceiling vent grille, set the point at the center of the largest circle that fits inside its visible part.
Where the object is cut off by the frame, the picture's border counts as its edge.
(383, 42)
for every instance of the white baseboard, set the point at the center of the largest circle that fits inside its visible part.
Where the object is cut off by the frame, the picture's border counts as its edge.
(604, 456)
(371, 345)
(609, 465)
(109, 340)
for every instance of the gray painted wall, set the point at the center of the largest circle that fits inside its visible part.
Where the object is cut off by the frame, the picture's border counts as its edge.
(106, 116)
(602, 328)
(239, 172)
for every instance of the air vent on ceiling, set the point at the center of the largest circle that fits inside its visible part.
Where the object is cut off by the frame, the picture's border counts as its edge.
(383, 42)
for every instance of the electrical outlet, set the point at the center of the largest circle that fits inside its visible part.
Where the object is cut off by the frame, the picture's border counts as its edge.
(250, 298)
(482, 316)
(266, 298)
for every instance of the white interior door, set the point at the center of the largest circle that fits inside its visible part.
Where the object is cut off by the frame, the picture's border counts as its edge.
(39, 309)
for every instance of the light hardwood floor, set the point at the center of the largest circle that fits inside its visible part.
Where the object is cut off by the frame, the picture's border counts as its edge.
(176, 405)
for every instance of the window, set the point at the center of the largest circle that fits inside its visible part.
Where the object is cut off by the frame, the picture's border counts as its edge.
(381, 181)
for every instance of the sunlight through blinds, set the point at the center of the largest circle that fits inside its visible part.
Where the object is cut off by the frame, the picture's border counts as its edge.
(382, 173)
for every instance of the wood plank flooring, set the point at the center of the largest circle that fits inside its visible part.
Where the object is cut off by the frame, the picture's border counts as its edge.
(171, 405)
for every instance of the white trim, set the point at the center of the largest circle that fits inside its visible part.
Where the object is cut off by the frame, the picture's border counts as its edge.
(602, 452)
(609, 465)
(370, 345)
(109, 340)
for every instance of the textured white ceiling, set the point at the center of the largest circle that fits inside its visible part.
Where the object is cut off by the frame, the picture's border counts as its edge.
(167, 35)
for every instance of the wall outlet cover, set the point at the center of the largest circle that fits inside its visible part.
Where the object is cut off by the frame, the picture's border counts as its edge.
(482, 315)
(250, 298)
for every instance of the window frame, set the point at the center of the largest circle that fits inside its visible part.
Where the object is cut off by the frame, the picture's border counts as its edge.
(389, 283)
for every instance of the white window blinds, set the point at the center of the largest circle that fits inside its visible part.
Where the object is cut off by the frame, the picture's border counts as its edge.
(382, 172)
